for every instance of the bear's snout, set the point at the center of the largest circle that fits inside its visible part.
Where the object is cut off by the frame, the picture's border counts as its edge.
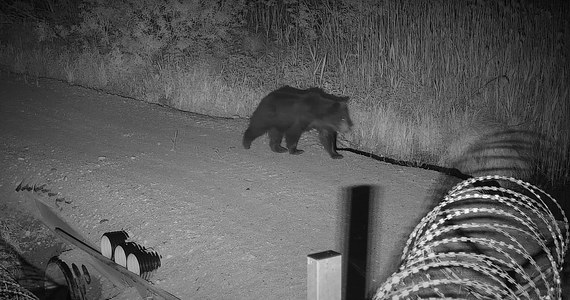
(345, 126)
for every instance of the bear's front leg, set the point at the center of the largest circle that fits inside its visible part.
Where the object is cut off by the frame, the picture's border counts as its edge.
(275, 138)
(328, 140)
(292, 137)
(251, 134)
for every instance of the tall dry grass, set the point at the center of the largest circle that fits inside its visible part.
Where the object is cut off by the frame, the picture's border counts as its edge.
(192, 88)
(438, 63)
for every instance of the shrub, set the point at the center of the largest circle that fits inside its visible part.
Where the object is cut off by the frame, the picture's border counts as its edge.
(149, 28)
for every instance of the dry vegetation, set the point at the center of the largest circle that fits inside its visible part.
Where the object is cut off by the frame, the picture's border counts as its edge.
(419, 72)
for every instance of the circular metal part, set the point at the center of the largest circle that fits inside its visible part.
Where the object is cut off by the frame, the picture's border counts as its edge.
(143, 263)
(133, 264)
(59, 282)
(123, 250)
(110, 240)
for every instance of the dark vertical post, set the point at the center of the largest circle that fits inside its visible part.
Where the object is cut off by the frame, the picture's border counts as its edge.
(356, 242)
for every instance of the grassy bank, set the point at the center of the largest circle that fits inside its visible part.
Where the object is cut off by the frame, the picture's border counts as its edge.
(430, 81)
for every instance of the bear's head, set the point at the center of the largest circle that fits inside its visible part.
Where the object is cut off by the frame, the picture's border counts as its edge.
(338, 116)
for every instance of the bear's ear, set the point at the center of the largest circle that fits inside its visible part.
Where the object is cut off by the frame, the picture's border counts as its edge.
(335, 107)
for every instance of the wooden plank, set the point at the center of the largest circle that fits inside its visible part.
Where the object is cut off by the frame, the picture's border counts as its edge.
(324, 276)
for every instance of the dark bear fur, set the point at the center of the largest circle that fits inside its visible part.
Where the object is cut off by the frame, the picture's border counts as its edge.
(289, 112)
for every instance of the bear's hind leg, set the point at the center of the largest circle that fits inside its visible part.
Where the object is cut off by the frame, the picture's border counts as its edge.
(251, 134)
(275, 138)
(328, 140)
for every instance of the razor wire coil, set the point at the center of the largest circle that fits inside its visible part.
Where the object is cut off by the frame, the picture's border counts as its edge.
(11, 289)
(491, 237)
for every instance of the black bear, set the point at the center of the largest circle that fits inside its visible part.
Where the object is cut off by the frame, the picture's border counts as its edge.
(289, 112)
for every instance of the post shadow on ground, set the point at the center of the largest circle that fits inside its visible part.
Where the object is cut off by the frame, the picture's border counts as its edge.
(356, 232)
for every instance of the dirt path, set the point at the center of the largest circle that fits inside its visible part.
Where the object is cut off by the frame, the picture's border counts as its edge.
(229, 223)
